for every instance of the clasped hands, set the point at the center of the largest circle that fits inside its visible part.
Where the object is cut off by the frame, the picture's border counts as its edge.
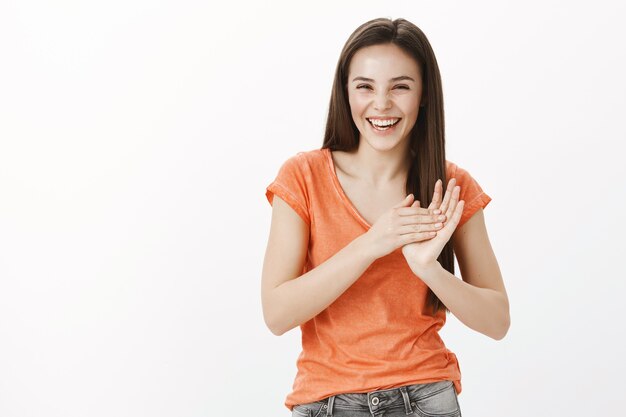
(421, 232)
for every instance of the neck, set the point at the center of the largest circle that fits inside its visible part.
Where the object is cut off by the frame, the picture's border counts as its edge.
(382, 167)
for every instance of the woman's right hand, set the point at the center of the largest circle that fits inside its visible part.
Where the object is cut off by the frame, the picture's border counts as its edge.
(404, 223)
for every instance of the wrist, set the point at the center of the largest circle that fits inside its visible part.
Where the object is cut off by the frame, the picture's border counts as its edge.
(363, 248)
(427, 271)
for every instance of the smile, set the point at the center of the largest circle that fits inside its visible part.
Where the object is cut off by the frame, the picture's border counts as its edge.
(383, 124)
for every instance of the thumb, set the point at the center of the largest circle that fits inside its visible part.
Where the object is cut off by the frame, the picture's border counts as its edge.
(406, 202)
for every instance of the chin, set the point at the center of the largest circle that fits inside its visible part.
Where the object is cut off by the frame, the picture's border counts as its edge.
(382, 146)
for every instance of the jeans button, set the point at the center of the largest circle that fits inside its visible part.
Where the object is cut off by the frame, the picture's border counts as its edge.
(375, 401)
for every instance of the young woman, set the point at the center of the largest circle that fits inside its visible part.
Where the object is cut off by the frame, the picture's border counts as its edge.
(363, 268)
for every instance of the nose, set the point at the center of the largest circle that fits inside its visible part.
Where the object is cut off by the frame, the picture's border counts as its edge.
(382, 102)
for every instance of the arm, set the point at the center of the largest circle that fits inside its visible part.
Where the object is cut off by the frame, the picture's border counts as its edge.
(290, 298)
(479, 300)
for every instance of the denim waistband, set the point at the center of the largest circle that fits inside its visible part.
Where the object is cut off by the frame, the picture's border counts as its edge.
(379, 400)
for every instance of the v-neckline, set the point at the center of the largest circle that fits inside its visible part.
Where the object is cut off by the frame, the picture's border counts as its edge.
(339, 188)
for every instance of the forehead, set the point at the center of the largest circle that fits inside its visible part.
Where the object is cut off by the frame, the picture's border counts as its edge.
(382, 61)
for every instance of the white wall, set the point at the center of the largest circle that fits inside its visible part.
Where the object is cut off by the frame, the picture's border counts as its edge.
(136, 142)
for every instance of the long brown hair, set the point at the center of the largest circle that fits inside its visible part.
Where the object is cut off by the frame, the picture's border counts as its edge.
(427, 141)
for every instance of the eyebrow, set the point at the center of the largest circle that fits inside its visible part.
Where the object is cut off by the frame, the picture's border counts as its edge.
(402, 77)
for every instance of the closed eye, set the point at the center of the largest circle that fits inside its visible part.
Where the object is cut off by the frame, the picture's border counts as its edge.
(367, 86)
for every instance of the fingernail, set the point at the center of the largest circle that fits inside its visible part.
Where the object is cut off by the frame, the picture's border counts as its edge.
(437, 211)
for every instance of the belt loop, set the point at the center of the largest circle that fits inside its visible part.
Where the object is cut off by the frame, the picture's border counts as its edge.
(407, 401)
(329, 410)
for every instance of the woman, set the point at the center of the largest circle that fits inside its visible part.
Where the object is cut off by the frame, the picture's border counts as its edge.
(364, 270)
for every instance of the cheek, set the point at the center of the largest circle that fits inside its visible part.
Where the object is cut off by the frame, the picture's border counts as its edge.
(411, 105)
(357, 105)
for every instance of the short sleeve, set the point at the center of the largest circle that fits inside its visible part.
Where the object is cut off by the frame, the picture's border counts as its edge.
(471, 192)
(290, 185)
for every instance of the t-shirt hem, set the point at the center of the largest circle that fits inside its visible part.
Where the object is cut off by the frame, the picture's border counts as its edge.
(455, 382)
(480, 201)
(281, 191)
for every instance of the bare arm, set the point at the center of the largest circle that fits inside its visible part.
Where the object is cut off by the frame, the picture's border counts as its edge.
(290, 298)
(479, 300)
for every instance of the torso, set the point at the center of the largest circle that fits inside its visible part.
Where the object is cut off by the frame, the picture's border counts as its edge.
(370, 202)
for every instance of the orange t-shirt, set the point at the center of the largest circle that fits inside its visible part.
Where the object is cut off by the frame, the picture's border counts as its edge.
(375, 335)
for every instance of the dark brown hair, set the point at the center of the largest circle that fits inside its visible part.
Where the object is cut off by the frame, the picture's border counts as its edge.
(427, 141)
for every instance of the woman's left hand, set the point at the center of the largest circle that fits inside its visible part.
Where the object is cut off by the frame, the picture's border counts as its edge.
(423, 255)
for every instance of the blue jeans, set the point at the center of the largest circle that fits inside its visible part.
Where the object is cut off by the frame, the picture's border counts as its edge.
(421, 400)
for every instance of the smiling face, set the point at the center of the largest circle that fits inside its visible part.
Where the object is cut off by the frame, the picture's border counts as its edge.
(384, 90)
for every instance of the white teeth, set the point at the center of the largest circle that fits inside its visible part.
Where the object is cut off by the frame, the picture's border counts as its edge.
(388, 122)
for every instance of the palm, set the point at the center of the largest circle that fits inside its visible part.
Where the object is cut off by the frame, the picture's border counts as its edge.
(427, 251)
(419, 254)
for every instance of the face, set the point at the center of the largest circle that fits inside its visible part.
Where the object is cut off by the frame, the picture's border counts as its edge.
(384, 88)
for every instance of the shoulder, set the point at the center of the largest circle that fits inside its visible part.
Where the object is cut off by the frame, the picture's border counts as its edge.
(295, 182)
(453, 170)
(471, 191)
(305, 160)
(450, 168)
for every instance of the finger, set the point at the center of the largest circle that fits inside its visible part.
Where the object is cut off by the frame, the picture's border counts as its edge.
(453, 202)
(450, 227)
(422, 219)
(408, 200)
(417, 228)
(447, 196)
(414, 210)
(436, 201)
(416, 237)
